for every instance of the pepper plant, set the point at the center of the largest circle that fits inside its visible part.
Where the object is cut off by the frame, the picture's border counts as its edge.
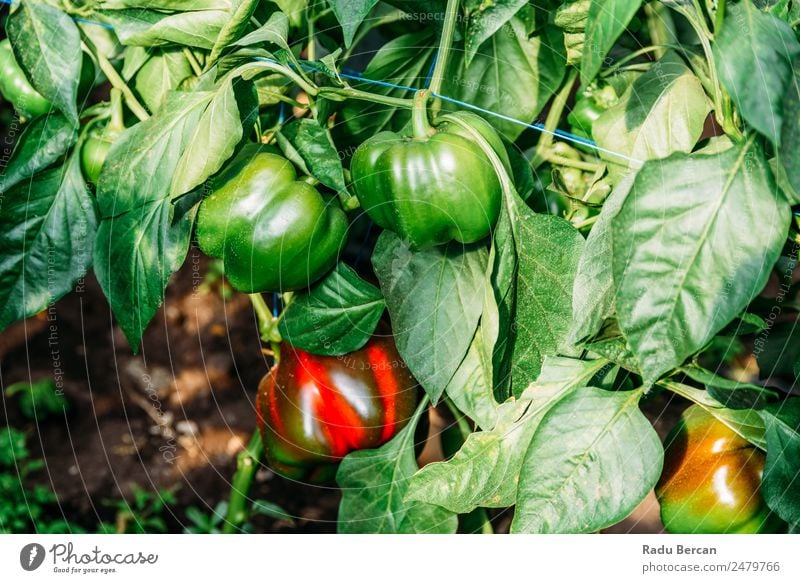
(579, 207)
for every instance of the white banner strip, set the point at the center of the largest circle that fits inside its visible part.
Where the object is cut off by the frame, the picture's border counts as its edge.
(389, 559)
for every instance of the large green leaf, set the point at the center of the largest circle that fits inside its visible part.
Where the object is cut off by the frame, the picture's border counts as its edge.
(484, 19)
(149, 28)
(134, 257)
(215, 136)
(186, 141)
(350, 14)
(606, 22)
(374, 483)
(511, 74)
(337, 316)
(435, 297)
(548, 251)
(486, 470)
(234, 28)
(682, 267)
(161, 73)
(593, 288)
(662, 112)
(48, 228)
(593, 459)
(753, 53)
(310, 146)
(169, 5)
(790, 135)
(781, 483)
(471, 388)
(47, 45)
(746, 422)
(46, 139)
(275, 31)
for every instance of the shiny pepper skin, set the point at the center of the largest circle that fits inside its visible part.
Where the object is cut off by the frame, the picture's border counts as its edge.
(433, 185)
(313, 410)
(16, 88)
(711, 480)
(272, 232)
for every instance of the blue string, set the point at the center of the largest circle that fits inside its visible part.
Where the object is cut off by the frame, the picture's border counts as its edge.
(84, 21)
(276, 302)
(430, 71)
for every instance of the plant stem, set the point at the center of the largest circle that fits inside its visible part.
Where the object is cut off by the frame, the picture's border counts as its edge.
(263, 314)
(638, 53)
(719, 17)
(196, 68)
(445, 42)
(569, 162)
(419, 116)
(553, 117)
(351, 93)
(117, 81)
(311, 49)
(116, 125)
(586, 222)
(246, 468)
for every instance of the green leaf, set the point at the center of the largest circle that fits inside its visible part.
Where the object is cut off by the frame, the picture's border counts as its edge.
(141, 164)
(374, 483)
(731, 394)
(337, 316)
(790, 135)
(593, 459)
(39, 400)
(46, 139)
(185, 142)
(169, 5)
(484, 19)
(317, 154)
(746, 422)
(593, 288)
(148, 28)
(606, 22)
(350, 14)
(548, 251)
(435, 298)
(471, 387)
(162, 73)
(48, 229)
(662, 112)
(215, 136)
(510, 74)
(136, 253)
(47, 45)
(233, 29)
(265, 508)
(782, 468)
(486, 470)
(275, 31)
(682, 268)
(757, 73)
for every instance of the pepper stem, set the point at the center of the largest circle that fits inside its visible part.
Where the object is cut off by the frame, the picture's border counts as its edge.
(420, 126)
(116, 125)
